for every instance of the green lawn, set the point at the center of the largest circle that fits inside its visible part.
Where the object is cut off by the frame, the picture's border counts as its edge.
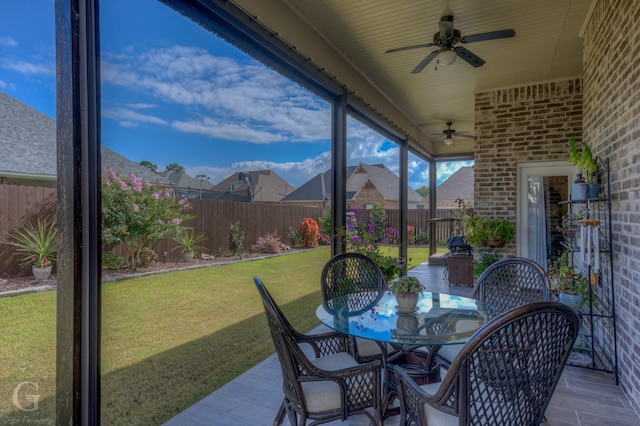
(167, 340)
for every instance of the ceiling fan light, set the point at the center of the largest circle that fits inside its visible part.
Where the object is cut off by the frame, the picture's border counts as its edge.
(448, 140)
(447, 57)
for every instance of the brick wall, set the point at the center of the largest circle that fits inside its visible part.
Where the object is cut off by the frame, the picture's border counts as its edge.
(520, 124)
(612, 128)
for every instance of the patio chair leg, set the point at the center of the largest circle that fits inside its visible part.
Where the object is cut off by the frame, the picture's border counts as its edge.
(280, 416)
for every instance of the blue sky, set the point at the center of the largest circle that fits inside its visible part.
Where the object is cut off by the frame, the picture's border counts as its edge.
(173, 92)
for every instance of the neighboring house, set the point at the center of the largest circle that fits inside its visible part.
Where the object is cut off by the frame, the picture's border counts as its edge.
(29, 151)
(262, 186)
(186, 186)
(458, 186)
(367, 184)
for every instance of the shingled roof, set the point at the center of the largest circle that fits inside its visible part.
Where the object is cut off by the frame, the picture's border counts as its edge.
(28, 146)
(387, 183)
(265, 186)
(458, 186)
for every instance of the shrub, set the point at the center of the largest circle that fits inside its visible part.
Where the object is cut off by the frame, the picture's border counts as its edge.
(113, 261)
(378, 216)
(147, 257)
(309, 232)
(294, 237)
(270, 243)
(235, 238)
(324, 222)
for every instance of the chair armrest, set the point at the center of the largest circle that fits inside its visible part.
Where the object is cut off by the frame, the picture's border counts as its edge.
(444, 399)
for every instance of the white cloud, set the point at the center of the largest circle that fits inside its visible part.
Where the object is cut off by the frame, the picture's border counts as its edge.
(243, 95)
(296, 173)
(129, 118)
(226, 131)
(141, 106)
(28, 68)
(8, 41)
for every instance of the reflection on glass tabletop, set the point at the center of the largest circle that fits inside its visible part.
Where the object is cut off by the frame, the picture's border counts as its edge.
(439, 319)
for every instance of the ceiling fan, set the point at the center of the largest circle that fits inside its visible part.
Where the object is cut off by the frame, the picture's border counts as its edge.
(449, 133)
(445, 40)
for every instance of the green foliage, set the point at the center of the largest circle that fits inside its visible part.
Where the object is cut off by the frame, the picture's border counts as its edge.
(324, 222)
(423, 191)
(147, 257)
(113, 261)
(270, 243)
(294, 237)
(309, 232)
(149, 165)
(423, 237)
(37, 244)
(479, 230)
(188, 241)
(404, 285)
(479, 266)
(364, 241)
(584, 161)
(378, 216)
(565, 278)
(235, 238)
(137, 214)
(174, 168)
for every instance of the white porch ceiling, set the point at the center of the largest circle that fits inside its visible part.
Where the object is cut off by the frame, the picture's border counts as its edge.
(348, 38)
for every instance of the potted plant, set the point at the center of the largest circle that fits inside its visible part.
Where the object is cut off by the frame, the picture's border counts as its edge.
(37, 244)
(480, 265)
(571, 286)
(189, 243)
(485, 231)
(406, 290)
(588, 169)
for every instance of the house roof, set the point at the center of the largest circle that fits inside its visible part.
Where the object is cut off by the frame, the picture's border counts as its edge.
(387, 183)
(28, 144)
(458, 185)
(266, 186)
(183, 180)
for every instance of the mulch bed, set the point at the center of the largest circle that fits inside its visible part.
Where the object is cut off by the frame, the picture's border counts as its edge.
(20, 284)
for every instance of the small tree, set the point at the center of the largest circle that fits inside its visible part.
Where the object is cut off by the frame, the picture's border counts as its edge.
(149, 165)
(174, 168)
(423, 191)
(137, 213)
(235, 238)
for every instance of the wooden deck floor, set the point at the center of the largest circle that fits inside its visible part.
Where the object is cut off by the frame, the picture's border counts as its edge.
(583, 397)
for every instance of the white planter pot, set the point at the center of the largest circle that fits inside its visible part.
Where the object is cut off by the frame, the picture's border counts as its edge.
(187, 257)
(407, 302)
(41, 273)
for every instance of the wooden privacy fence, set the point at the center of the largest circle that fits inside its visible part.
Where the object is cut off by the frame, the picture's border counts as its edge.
(21, 204)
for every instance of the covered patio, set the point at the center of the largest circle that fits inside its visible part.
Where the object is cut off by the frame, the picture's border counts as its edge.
(583, 397)
(570, 71)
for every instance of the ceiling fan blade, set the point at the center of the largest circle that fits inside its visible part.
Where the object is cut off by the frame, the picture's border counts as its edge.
(416, 46)
(471, 58)
(425, 61)
(492, 35)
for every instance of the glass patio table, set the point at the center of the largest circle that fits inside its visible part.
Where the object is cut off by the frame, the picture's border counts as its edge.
(439, 319)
